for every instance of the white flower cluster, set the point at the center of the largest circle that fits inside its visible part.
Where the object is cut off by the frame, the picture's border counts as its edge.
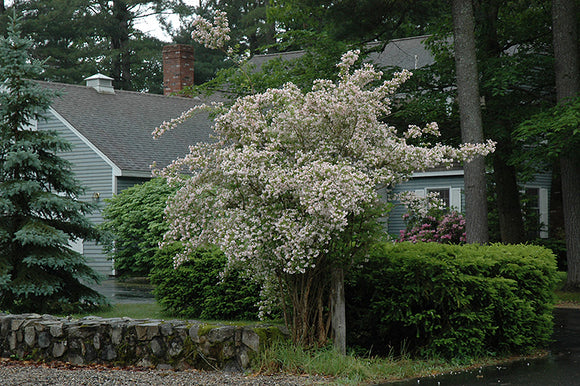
(290, 171)
(212, 35)
(419, 206)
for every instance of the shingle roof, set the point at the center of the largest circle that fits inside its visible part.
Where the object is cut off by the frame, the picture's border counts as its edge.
(120, 124)
(408, 53)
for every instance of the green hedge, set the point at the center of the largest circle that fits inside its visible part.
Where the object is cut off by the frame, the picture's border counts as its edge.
(196, 289)
(452, 301)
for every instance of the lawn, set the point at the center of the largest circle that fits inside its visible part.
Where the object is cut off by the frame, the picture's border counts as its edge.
(566, 298)
(130, 310)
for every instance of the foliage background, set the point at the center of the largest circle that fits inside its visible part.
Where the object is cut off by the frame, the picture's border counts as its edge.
(135, 226)
(452, 301)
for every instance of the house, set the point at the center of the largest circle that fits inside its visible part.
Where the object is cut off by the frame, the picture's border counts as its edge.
(110, 132)
(410, 54)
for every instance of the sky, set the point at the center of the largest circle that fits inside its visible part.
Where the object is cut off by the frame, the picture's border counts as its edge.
(150, 25)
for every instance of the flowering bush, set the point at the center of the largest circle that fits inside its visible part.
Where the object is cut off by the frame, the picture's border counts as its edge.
(288, 189)
(428, 220)
(447, 229)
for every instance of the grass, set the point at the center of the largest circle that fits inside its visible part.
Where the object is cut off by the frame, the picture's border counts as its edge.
(147, 311)
(130, 310)
(355, 370)
(566, 298)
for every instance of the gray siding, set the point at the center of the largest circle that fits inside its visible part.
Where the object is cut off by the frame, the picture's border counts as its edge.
(96, 176)
(395, 221)
(541, 180)
(127, 182)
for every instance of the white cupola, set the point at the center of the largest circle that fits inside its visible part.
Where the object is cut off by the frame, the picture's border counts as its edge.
(102, 83)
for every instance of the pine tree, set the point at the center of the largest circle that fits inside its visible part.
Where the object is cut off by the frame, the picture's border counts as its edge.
(40, 212)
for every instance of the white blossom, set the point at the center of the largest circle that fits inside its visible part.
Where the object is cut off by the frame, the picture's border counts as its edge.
(212, 35)
(290, 170)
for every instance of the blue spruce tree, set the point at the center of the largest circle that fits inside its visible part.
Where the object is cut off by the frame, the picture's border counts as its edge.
(40, 210)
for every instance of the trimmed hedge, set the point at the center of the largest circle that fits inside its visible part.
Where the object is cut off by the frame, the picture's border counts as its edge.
(452, 301)
(196, 289)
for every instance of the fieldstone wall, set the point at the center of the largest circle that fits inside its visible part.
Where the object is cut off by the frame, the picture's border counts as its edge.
(169, 344)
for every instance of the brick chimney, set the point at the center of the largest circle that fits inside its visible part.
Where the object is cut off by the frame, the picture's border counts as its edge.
(177, 67)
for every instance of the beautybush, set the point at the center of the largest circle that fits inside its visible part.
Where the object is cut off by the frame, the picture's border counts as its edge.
(287, 190)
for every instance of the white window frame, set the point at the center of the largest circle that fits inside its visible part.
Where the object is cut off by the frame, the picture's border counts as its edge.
(454, 195)
(31, 126)
(543, 207)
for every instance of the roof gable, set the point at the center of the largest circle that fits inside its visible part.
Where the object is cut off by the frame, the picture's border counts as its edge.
(120, 124)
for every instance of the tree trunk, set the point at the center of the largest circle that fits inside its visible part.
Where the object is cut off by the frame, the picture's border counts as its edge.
(570, 168)
(121, 61)
(567, 71)
(470, 120)
(508, 204)
(511, 225)
(556, 215)
(337, 304)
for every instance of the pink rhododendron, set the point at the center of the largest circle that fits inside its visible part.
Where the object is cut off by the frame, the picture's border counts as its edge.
(428, 220)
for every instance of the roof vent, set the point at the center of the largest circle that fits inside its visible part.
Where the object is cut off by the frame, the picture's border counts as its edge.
(102, 83)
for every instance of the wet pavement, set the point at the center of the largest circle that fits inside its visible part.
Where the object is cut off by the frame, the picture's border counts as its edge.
(126, 291)
(561, 367)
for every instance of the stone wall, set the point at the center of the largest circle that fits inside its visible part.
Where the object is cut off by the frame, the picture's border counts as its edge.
(128, 342)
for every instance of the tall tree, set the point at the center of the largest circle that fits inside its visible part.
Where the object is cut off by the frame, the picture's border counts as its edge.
(567, 71)
(512, 39)
(358, 20)
(115, 23)
(64, 38)
(40, 212)
(78, 38)
(470, 119)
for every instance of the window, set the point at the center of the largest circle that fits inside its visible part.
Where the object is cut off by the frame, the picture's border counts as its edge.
(443, 195)
(536, 212)
(451, 197)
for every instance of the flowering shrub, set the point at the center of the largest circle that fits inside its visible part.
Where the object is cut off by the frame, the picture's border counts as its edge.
(212, 35)
(428, 220)
(288, 189)
(447, 229)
